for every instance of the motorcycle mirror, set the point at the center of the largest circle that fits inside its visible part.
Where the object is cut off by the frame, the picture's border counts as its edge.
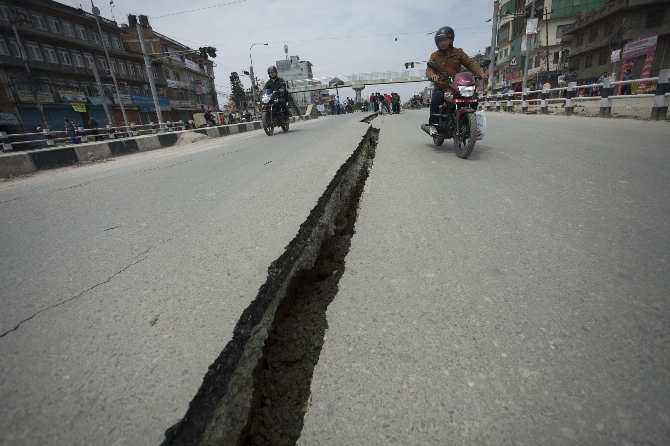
(433, 66)
(485, 63)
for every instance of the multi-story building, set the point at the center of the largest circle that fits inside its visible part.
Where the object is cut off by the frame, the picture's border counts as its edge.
(594, 37)
(64, 46)
(556, 17)
(189, 78)
(294, 69)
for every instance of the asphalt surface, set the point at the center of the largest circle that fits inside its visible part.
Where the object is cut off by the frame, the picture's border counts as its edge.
(131, 274)
(518, 297)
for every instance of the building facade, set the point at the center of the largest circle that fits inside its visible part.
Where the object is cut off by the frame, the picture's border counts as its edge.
(547, 56)
(294, 69)
(643, 24)
(63, 46)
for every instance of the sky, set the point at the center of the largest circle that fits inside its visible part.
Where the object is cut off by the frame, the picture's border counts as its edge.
(337, 37)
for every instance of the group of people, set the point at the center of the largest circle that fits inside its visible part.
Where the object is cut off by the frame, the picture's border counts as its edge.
(390, 102)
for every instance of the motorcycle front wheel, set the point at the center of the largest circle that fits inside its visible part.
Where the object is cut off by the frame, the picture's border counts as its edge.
(284, 126)
(464, 142)
(268, 125)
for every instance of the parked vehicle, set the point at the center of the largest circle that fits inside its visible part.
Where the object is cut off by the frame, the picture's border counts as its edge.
(456, 117)
(272, 115)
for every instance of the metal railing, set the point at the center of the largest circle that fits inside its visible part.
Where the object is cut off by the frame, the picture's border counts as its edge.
(51, 138)
(606, 89)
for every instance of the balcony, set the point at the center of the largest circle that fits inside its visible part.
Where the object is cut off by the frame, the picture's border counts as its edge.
(502, 60)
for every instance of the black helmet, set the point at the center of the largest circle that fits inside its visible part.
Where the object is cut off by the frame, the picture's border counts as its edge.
(446, 32)
(273, 69)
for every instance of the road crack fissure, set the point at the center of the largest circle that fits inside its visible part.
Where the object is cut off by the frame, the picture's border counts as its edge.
(76, 296)
(370, 118)
(257, 390)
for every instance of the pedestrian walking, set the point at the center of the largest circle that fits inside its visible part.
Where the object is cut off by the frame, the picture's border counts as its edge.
(337, 104)
(372, 102)
(71, 130)
(93, 125)
(625, 88)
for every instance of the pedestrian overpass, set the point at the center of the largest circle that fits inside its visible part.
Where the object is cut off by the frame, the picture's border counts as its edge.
(357, 81)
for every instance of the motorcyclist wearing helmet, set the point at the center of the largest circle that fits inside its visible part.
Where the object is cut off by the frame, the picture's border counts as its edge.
(276, 83)
(449, 59)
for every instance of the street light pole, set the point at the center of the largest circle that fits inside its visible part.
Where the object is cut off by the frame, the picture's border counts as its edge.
(96, 12)
(524, 104)
(147, 63)
(251, 76)
(494, 39)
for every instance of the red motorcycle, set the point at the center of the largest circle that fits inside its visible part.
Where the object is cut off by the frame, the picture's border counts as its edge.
(456, 118)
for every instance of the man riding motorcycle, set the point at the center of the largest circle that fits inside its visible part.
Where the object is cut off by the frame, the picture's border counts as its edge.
(276, 83)
(449, 59)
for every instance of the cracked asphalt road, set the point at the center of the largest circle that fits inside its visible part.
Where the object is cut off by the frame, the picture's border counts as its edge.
(126, 278)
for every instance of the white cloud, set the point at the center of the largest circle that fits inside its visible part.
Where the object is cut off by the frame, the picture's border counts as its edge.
(338, 37)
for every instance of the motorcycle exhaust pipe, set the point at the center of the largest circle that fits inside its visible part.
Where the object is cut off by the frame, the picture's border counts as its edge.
(426, 128)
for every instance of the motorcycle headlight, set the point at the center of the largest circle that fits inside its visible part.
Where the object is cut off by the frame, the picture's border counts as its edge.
(466, 92)
(266, 99)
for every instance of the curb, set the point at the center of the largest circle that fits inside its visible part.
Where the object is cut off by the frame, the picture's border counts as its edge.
(18, 163)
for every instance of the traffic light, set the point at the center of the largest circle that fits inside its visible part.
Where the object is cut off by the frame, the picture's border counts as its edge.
(203, 52)
(211, 51)
(411, 64)
(406, 65)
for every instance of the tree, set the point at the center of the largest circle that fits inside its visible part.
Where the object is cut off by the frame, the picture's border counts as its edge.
(236, 88)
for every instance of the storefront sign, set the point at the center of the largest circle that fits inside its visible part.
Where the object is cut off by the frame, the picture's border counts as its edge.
(646, 72)
(531, 26)
(188, 104)
(153, 109)
(139, 100)
(97, 100)
(79, 108)
(72, 96)
(171, 83)
(9, 119)
(28, 96)
(192, 65)
(640, 46)
(512, 75)
(616, 56)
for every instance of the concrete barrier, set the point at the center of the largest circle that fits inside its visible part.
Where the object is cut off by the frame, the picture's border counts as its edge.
(17, 163)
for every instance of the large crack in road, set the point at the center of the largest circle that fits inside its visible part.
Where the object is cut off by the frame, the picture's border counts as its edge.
(257, 390)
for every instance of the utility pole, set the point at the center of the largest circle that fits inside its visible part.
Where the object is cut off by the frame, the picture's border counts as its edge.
(96, 13)
(494, 40)
(38, 103)
(546, 26)
(147, 63)
(525, 65)
(101, 92)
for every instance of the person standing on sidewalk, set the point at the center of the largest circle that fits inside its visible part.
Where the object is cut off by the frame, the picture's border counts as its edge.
(372, 102)
(93, 125)
(625, 88)
(71, 130)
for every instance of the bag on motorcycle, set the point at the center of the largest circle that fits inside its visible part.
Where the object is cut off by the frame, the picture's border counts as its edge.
(481, 124)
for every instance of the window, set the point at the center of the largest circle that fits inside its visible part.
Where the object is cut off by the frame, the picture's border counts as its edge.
(530, 64)
(116, 43)
(602, 58)
(34, 51)
(68, 30)
(123, 68)
(560, 29)
(167, 74)
(580, 40)
(103, 64)
(15, 48)
(5, 14)
(4, 50)
(136, 90)
(609, 29)
(588, 62)
(115, 68)
(95, 37)
(537, 61)
(89, 61)
(81, 32)
(22, 15)
(38, 20)
(15, 84)
(131, 69)
(105, 37)
(556, 57)
(74, 86)
(64, 56)
(575, 64)
(655, 18)
(155, 73)
(46, 86)
(78, 61)
(54, 25)
(593, 35)
(177, 77)
(127, 90)
(51, 53)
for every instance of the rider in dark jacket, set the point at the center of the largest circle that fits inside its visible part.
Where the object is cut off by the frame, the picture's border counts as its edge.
(276, 83)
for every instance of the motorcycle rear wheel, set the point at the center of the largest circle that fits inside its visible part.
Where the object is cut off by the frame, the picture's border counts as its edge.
(268, 125)
(464, 142)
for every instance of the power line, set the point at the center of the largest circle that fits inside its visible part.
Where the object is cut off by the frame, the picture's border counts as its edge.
(199, 9)
(334, 38)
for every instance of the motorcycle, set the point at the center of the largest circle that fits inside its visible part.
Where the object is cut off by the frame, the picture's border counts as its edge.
(456, 117)
(272, 115)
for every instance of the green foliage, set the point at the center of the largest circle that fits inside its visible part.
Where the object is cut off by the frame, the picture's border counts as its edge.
(236, 88)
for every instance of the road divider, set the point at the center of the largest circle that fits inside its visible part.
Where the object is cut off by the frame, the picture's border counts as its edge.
(19, 163)
(257, 390)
